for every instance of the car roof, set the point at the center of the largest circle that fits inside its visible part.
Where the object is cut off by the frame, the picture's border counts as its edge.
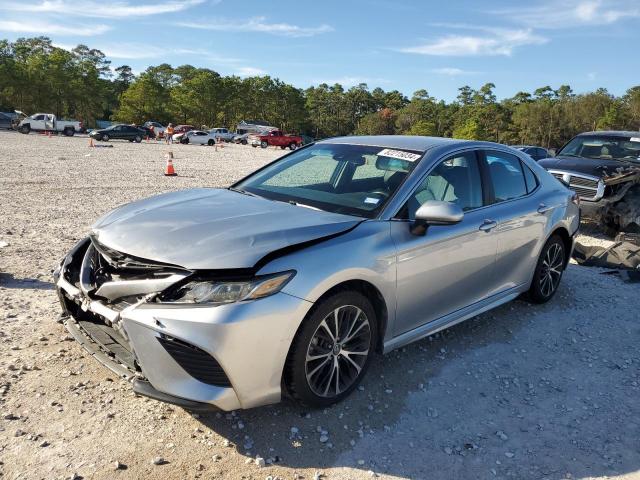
(611, 133)
(407, 142)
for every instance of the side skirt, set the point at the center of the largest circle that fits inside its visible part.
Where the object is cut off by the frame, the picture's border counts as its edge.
(453, 318)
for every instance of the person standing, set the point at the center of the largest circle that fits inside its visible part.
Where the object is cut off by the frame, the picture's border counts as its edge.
(169, 134)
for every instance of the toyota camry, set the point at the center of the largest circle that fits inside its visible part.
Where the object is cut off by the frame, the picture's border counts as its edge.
(288, 282)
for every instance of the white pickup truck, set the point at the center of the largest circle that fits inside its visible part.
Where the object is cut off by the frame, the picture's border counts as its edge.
(222, 134)
(47, 122)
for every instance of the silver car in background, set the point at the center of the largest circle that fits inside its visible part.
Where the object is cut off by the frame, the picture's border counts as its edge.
(287, 283)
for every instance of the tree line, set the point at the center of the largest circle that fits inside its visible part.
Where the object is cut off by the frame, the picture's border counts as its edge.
(36, 76)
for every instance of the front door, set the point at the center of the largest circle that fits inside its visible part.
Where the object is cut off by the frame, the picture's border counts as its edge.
(451, 266)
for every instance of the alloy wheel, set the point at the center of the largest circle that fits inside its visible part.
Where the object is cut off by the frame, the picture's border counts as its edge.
(338, 351)
(551, 269)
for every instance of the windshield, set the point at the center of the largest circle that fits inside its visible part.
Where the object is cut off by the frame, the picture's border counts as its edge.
(349, 179)
(604, 148)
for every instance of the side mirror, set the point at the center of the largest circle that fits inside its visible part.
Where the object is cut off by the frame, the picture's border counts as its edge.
(435, 213)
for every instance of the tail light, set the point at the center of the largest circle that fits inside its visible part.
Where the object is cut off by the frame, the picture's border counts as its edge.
(575, 199)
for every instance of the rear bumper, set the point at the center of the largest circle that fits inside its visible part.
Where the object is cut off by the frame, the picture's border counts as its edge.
(175, 349)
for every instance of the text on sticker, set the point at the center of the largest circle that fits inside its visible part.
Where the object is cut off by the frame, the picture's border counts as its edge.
(389, 152)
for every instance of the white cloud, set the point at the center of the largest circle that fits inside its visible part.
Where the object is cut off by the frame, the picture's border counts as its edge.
(497, 41)
(250, 71)
(106, 9)
(452, 71)
(45, 28)
(258, 24)
(574, 13)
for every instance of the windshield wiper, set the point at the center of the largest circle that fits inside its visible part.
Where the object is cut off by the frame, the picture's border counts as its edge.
(297, 204)
(244, 192)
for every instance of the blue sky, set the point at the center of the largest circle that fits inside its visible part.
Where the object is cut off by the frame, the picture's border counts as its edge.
(404, 45)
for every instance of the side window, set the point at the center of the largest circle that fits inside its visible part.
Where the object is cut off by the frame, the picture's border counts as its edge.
(506, 174)
(529, 178)
(456, 179)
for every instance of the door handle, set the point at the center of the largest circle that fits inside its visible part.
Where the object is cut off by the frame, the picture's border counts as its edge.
(488, 225)
(543, 208)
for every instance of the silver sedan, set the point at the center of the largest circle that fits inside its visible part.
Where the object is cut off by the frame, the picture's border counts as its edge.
(288, 282)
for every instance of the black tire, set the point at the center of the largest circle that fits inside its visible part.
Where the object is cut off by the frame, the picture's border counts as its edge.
(305, 377)
(185, 141)
(254, 146)
(211, 143)
(138, 139)
(293, 146)
(25, 129)
(282, 147)
(244, 142)
(104, 137)
(264, 144)
(548, 272)
(69, 132)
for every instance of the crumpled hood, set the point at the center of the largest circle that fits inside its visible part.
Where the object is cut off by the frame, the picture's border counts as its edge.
(589, 166)
(213, 228)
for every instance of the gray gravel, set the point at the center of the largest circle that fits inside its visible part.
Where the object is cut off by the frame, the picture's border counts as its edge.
(521, 392)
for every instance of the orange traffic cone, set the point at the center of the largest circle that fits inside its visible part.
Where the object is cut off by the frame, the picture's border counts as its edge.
(91, 142)
(169, 171)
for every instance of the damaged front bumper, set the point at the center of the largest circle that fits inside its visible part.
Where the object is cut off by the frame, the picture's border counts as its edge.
(196, 356)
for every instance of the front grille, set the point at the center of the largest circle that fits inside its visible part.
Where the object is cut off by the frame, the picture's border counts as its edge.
(587, 188)
(583, 192)
(195, 361)
(584, 182)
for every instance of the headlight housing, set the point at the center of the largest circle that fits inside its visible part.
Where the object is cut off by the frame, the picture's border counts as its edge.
(223, 292)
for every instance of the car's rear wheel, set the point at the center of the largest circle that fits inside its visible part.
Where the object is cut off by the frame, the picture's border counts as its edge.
(68, 132)
(332, 349)
(211, 143)
(293, 146)
(138, 139)
(549, 269)
(25, 129)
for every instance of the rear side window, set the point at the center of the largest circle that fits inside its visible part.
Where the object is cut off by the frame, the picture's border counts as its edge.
(507, 177)
(529, 178)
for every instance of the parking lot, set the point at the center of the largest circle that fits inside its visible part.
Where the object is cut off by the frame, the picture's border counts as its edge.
(524, 391)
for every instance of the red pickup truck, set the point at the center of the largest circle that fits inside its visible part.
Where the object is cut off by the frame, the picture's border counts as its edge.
(275, 138)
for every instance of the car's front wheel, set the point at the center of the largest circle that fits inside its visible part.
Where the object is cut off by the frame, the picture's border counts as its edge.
(548, 273)
(105, 137)
(332, 349)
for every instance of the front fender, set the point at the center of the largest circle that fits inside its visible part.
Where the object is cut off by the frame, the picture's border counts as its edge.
(366, 253)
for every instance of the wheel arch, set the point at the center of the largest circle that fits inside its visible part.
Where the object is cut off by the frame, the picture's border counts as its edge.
(563, 233)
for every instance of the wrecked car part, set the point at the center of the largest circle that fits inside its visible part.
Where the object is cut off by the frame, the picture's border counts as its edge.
(620, 255)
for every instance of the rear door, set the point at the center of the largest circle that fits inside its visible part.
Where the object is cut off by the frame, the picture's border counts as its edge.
(452, 266)
(519, 214)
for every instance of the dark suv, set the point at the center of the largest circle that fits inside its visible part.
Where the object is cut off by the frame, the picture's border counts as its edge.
(603, 168)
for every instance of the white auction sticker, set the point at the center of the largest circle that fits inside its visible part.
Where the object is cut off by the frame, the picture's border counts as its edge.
(388, 152)
(375, 201)
(634, 139)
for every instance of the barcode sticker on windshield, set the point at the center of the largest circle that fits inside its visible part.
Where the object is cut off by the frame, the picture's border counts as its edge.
(388, 152)
(634, 139)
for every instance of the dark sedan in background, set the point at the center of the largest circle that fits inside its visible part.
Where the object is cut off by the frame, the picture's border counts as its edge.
(120, 132)
(537, 153)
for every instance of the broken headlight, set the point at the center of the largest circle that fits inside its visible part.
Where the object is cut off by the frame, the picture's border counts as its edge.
(221, 292)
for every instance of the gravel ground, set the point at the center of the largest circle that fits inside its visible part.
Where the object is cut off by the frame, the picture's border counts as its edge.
(520, 392)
